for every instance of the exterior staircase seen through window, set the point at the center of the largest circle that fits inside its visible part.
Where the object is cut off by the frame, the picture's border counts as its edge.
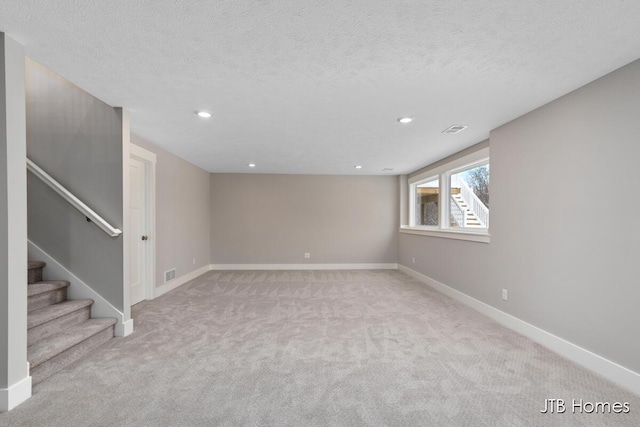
(462, 215)
(466, 209)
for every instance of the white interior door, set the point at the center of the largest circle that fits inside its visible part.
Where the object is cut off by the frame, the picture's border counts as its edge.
(138, 227)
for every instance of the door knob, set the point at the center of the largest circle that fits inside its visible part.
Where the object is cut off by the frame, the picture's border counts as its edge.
(145, 237)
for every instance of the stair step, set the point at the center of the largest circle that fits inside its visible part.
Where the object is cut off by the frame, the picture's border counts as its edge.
(35, 271)
(59, 350)
(46, 314)
(46, 293)
(44, 350)
(55, 318)
(36, 264)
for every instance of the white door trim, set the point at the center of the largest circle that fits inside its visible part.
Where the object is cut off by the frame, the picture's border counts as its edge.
(149, 159)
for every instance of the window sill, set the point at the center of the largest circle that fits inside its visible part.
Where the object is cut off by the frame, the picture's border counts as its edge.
(481, 237)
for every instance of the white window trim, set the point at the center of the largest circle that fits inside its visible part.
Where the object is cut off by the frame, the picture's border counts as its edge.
(443, 174)
(412, 201)
(482, 237)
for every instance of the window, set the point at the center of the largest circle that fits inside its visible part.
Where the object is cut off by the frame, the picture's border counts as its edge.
(452, 200)
(427, 202)
(469, 197)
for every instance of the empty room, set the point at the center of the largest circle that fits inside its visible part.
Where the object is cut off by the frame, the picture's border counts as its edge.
(363, 213)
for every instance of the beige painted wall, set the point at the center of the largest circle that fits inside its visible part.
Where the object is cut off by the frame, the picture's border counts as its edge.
(262, 219)
(182, 213)
(564, 237)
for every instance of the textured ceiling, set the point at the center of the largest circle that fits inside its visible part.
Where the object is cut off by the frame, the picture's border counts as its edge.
(315, 87)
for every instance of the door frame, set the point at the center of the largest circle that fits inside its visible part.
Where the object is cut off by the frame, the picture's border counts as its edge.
(149, 159)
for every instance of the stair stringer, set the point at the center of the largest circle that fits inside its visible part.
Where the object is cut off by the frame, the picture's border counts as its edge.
(80, 290)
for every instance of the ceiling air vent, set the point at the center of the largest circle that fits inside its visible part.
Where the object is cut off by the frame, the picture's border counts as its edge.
(452, 130)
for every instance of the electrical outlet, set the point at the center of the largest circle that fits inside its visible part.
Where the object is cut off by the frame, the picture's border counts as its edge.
(413, 260)
(307, 255)
(194, 261)
(505, 295)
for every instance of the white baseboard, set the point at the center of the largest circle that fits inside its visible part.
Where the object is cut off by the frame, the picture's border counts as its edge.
(80, 290)
(374, 266)
(618, 374)
(15, 395)
(161, 290)
(124, 329)
(179, 281)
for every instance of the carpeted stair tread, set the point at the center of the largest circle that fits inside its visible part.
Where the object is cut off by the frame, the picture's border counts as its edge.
(45, 293)
(53, 345)
(70, 355)
(51, 312)
(38, 288)
(36, 264)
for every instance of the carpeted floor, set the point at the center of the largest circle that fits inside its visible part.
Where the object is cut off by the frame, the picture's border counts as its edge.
(316, 348)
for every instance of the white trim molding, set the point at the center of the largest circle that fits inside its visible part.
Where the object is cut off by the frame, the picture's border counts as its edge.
(80, 290)
(435, 172)
(374, 266)
(179, 281)
(448, 234)
(123, 329)
(444, 174)
(141, 153)
(15, 395)
(161, 290)
(149, 159)
(612, 371)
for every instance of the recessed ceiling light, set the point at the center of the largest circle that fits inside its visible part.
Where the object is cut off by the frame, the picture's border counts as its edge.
(453, 129)
(405, 120)
(203, 114)
(358, 166)
(252, 165)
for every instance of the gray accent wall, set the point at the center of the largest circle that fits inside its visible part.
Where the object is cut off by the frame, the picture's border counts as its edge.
(182, 213)
(13, 225)
(275, 219)
(78, 140)
(564, 232)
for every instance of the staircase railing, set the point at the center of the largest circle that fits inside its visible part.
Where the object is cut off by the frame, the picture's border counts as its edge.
(457, 212)
(89, 213)
(475, 204)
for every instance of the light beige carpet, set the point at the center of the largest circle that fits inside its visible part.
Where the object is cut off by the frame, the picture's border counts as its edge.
(324, 348)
